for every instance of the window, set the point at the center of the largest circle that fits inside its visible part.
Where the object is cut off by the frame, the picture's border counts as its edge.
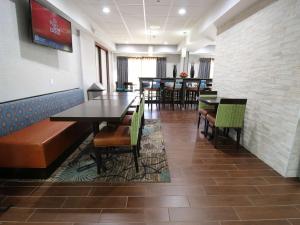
(141, 67)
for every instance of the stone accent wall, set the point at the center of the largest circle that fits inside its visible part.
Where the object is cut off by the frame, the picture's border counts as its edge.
(259, 59)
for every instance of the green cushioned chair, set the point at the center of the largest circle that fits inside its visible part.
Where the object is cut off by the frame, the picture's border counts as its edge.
(230, 114)
(203, 108)
(123, 139)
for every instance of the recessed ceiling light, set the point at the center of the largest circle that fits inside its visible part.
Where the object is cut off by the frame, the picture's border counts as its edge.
(182, 11)
(154, 27)
(165, 43)
(106, 10)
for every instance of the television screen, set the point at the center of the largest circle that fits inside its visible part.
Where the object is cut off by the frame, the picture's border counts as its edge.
(50, 29)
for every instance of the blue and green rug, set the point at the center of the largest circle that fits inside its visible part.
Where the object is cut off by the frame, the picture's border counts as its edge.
(120, 168)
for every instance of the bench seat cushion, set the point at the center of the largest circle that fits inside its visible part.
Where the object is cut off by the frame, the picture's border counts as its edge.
(38, 145)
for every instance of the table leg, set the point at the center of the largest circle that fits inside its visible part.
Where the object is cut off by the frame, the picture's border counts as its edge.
(4, 208)
(87, 150)
(95, 128)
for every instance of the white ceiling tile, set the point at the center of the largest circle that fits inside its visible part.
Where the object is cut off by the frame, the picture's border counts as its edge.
(132, 10)
(129, 2)
(158, 13)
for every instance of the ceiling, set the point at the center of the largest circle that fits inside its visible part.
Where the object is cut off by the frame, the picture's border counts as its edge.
(127, 22)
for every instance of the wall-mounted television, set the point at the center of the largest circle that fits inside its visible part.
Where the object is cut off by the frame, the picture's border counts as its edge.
(49, 28)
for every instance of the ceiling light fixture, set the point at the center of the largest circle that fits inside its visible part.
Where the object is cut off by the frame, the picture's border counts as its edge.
(106, 10)
(182, 11)
(154, 27)
(165, 43)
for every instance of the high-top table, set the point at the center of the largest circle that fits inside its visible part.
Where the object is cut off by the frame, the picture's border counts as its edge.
(108, 109)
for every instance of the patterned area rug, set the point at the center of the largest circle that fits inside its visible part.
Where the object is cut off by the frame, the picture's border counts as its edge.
(120, 168)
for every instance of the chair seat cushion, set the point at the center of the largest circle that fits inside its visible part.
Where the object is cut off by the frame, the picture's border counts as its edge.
(211, 117)
(204, 112)
(151, 89)
(194, 89)
(127, 120)
(131, 111)
(110, 138)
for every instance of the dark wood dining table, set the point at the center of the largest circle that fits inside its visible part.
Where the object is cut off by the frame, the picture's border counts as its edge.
(108, 109)
(211, 101)
(115, 95)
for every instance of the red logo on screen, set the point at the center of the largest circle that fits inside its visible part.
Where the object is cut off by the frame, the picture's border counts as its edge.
(49, 25)
(54, 28)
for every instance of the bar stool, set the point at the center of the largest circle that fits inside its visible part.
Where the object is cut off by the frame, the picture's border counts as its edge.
(152, 93)
(191, 93)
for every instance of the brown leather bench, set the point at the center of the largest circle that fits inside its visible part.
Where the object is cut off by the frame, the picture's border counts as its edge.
(38, 147)
(36, 150)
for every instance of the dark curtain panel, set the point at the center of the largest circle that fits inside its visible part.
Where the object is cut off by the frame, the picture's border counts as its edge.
(161, 67)
(122, 71)
(204, 68)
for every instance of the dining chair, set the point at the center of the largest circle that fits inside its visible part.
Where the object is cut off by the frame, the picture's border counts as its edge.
(191, 93)
(128, 86)
(123, 139)
(203, 108)
(230, 114)
(172, 92)
(153, 94)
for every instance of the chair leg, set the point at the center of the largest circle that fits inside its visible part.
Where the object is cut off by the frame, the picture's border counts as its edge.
(98, 161)
(4, 208)
(199, 119)
(205, 127)
(134, 149)
(215, 129)
(238, 137)
(158, 100)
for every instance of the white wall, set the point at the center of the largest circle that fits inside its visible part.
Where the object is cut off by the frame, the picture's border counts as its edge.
(259, 59)
(28, 69)
(88, 61)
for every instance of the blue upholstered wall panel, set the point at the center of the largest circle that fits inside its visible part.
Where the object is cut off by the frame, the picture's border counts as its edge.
(18, 114)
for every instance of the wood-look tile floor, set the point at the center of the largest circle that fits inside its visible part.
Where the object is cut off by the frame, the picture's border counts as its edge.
(209, 187)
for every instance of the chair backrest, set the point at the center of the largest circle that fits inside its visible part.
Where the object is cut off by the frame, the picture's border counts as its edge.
(128, 86)
(155, 83)
(134, 129)
(169, 82)
(178, 84)
(207, 94)
(231, 113)
(141, 110)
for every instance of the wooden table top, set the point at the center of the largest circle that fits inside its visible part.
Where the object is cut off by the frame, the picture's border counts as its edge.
(110, 110)
(210, 101)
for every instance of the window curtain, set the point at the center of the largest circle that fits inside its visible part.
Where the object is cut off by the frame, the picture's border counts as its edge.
(204, 68)
(161, 67)
(141, 67)
(122, 71)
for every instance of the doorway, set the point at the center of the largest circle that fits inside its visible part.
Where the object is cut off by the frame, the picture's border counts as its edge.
(103, 66)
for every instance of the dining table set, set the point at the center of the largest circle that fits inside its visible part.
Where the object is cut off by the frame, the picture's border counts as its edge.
(109, 107)
(221, 113)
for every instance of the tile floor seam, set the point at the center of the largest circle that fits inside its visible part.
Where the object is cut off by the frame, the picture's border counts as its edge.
(34, 210)
(65, 200)
(235, 211)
